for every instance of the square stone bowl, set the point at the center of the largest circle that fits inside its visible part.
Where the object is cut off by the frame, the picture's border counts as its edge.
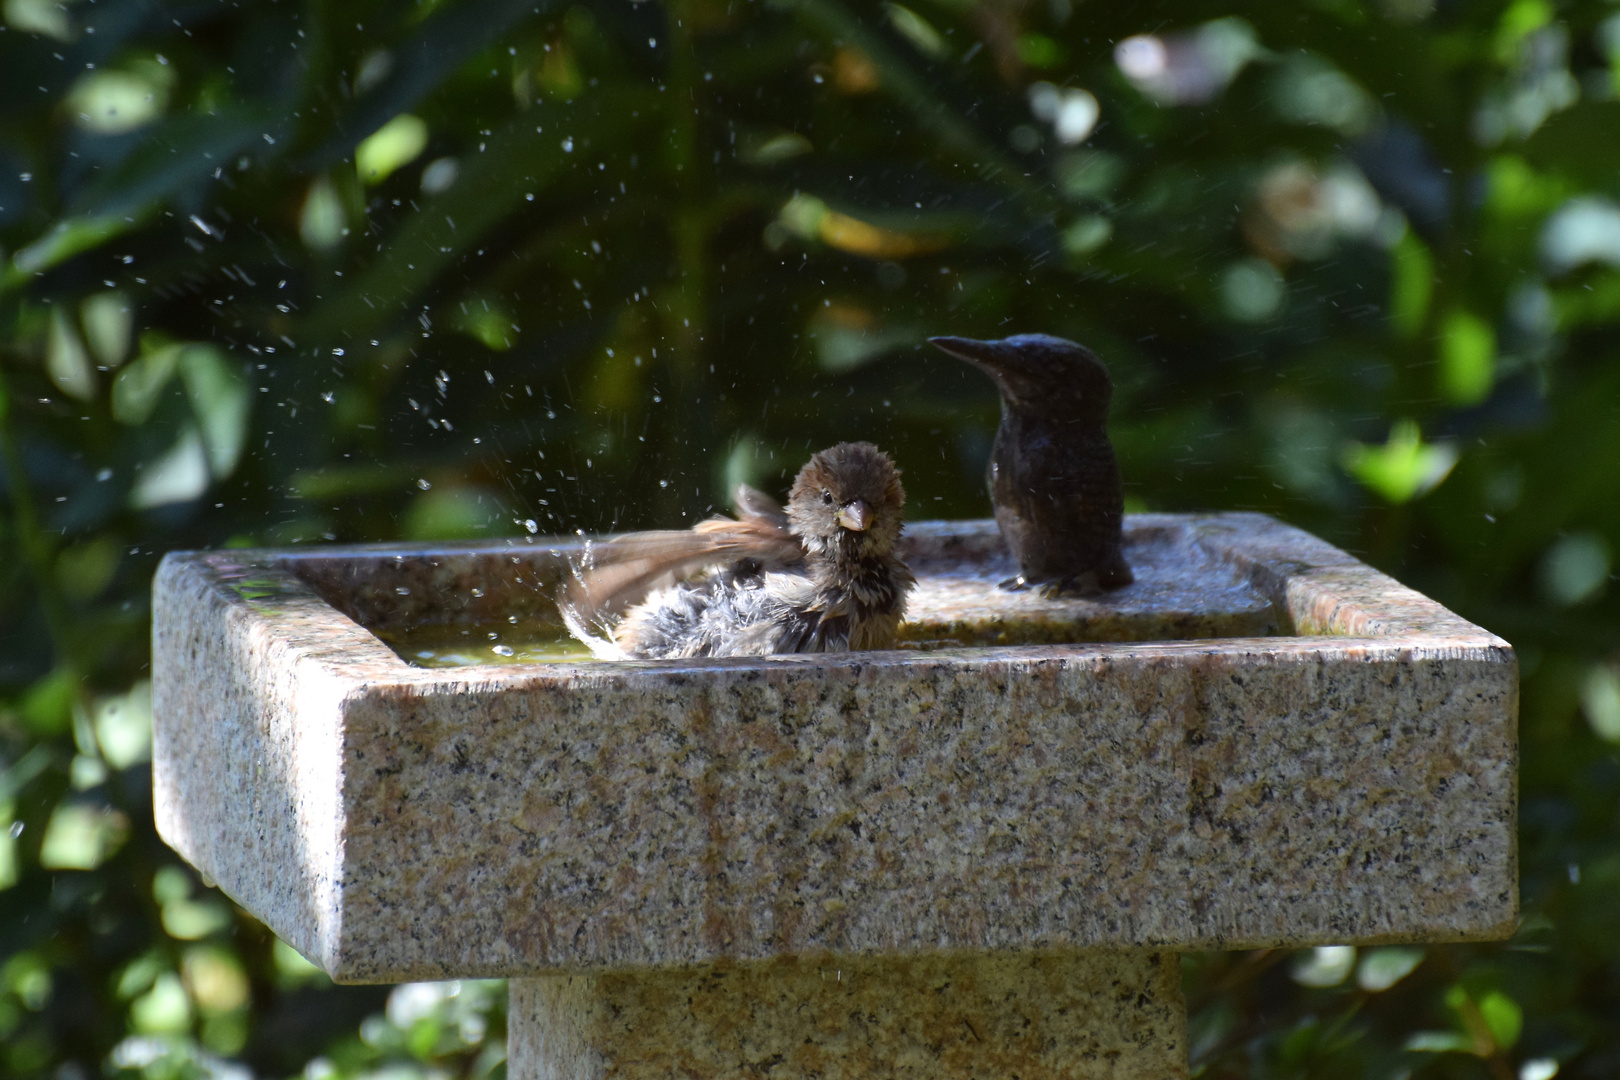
(1262, 742)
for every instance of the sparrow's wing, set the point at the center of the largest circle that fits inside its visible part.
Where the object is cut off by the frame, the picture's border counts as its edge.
(753, 504)
(621, 572)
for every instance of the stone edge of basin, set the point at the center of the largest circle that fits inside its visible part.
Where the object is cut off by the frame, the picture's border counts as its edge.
(396, 823)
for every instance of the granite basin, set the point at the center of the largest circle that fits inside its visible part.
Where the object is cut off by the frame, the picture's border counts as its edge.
(1263, 742)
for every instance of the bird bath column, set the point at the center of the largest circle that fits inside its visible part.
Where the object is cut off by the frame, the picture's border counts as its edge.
(976, 858)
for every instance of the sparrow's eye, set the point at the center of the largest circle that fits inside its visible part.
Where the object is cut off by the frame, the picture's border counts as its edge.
(826, 497)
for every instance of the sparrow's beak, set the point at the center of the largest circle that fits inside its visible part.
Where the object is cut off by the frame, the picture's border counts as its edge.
(855, 516)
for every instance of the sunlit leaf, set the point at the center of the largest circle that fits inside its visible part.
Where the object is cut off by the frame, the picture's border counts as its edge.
(1503, 1016)
(757, 148)
(322, 223)
(65, 239)
(220, 401)
(124, 726)
(1086, 234)
(1519, 20)
(214, 979)
(453, 513)
(1439, 1042)
(113, 102)
(179, 475)
(1323, 966)
(84, 570)
(1402, 468)
(189, 920)
(1575, 569)
(418, 65)
(1467, 358)
(1600, 700)
(164, 1008)
(917, 30)
(392, 146)
(81, 837)
(1382, 968)
(1584, 230)
(39, 17)
(108, 321)
(66, 361)
(433, 236)
(1251, 290)
(488, 321)
(137, 389)
(1411, 284)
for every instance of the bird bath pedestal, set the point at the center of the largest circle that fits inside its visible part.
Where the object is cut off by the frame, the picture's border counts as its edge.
(975, 857)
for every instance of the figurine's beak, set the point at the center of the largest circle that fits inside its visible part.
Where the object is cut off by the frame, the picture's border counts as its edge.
(855, 516)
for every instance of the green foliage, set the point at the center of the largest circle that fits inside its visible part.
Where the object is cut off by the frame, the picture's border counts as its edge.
(277, 273)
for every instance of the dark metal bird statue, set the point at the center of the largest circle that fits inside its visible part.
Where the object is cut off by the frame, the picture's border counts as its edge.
(820, 576)
(1053, 477)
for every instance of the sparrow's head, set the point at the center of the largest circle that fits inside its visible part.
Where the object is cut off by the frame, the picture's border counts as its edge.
(1039, 371)
(847, 500)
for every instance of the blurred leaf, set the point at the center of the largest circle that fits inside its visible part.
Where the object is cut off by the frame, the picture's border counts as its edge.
(81, 837)
(1383, 967)
(453, 514)
(917, 30)
(48, 706)
(428, 239)
(444, 40)
(1504, 1017)
(84, 570)
(1575, 569)
(214, 979)
(39, 17)
(177, 153)
(1439, 1042)
(1467, 358)
(137, 389)
(189, 920)
(108, 321)
(178, 475)
(1404, 467)
(164, 1008)
(394, 145)
(220, 401)
(1600, 699)
(322, 223)
(1323, 966)
(124, 726)
(115, 102)
(1411, 286)
(66, 360)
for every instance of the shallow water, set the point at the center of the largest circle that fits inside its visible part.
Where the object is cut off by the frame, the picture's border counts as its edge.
(461, 646)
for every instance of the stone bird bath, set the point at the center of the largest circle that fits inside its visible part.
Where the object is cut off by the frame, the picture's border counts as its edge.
(977, 857)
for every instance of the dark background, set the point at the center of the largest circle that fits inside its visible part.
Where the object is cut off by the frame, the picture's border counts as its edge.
(1354, 263)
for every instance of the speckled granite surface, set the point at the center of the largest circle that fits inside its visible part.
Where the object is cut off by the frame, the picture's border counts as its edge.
(1066, 1016)
(395, 822)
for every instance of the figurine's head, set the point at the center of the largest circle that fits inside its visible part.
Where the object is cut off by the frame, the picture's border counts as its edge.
(847, 500)
(1039, 371)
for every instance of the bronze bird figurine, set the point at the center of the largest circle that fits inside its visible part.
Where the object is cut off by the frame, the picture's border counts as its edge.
(1053, 476)
(820, 576)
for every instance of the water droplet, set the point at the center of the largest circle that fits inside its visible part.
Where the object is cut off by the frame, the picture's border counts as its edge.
(501, 650)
